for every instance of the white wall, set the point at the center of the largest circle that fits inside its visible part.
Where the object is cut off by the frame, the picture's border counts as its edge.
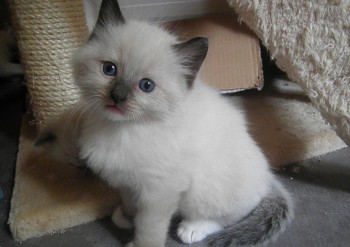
(164, 10)
(160, 10)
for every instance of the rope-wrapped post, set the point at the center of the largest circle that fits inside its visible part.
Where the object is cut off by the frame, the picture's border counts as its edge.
(48, 32)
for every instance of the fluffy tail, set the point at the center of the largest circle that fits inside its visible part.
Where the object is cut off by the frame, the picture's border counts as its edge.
(264, 223)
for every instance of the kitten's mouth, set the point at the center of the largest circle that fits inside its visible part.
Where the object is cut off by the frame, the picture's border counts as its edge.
(115, 109)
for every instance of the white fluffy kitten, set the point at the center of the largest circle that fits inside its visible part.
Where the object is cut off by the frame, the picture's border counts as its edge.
(170, 143)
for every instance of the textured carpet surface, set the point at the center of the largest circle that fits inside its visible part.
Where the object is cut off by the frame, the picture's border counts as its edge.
(310, 41)
(285, 124)
(49, 197)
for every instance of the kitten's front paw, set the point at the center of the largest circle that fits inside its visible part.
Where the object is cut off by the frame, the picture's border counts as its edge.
(120, 220)
(190, 232)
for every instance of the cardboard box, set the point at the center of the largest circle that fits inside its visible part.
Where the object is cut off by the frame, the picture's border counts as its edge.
(233, 62)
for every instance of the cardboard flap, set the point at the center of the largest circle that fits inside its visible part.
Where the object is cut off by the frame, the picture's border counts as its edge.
(233, 61)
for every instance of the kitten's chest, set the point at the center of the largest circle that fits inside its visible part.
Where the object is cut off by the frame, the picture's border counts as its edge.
(138, 150)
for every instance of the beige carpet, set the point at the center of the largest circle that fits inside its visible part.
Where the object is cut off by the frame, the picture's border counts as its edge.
(50, 197)
(310, 41)
(286, 125)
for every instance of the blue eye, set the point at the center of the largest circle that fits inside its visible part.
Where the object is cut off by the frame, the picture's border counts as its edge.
(146, 85)
(109, 69)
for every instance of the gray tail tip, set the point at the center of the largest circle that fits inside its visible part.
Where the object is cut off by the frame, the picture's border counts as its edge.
(262, 225)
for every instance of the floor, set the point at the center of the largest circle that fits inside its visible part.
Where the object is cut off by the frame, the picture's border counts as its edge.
(319, 186)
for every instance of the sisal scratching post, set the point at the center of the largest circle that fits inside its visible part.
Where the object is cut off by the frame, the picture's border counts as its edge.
(49, 196)
(48, 33)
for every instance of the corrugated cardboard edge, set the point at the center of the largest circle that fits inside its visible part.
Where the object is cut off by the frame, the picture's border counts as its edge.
(233, 62)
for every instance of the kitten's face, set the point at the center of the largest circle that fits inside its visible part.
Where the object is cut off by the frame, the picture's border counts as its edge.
(130, 71)
(135, 70)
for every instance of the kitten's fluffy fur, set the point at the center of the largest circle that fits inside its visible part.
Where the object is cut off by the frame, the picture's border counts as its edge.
(180, 148)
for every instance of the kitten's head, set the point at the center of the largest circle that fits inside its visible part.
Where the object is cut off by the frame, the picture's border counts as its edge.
(131, 70)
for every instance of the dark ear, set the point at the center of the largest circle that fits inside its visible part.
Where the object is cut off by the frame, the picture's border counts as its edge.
(192, 53)
(45, 138)
(109, 13)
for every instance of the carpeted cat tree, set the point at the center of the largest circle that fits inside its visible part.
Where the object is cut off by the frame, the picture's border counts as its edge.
(49, 196)
(310, 41)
